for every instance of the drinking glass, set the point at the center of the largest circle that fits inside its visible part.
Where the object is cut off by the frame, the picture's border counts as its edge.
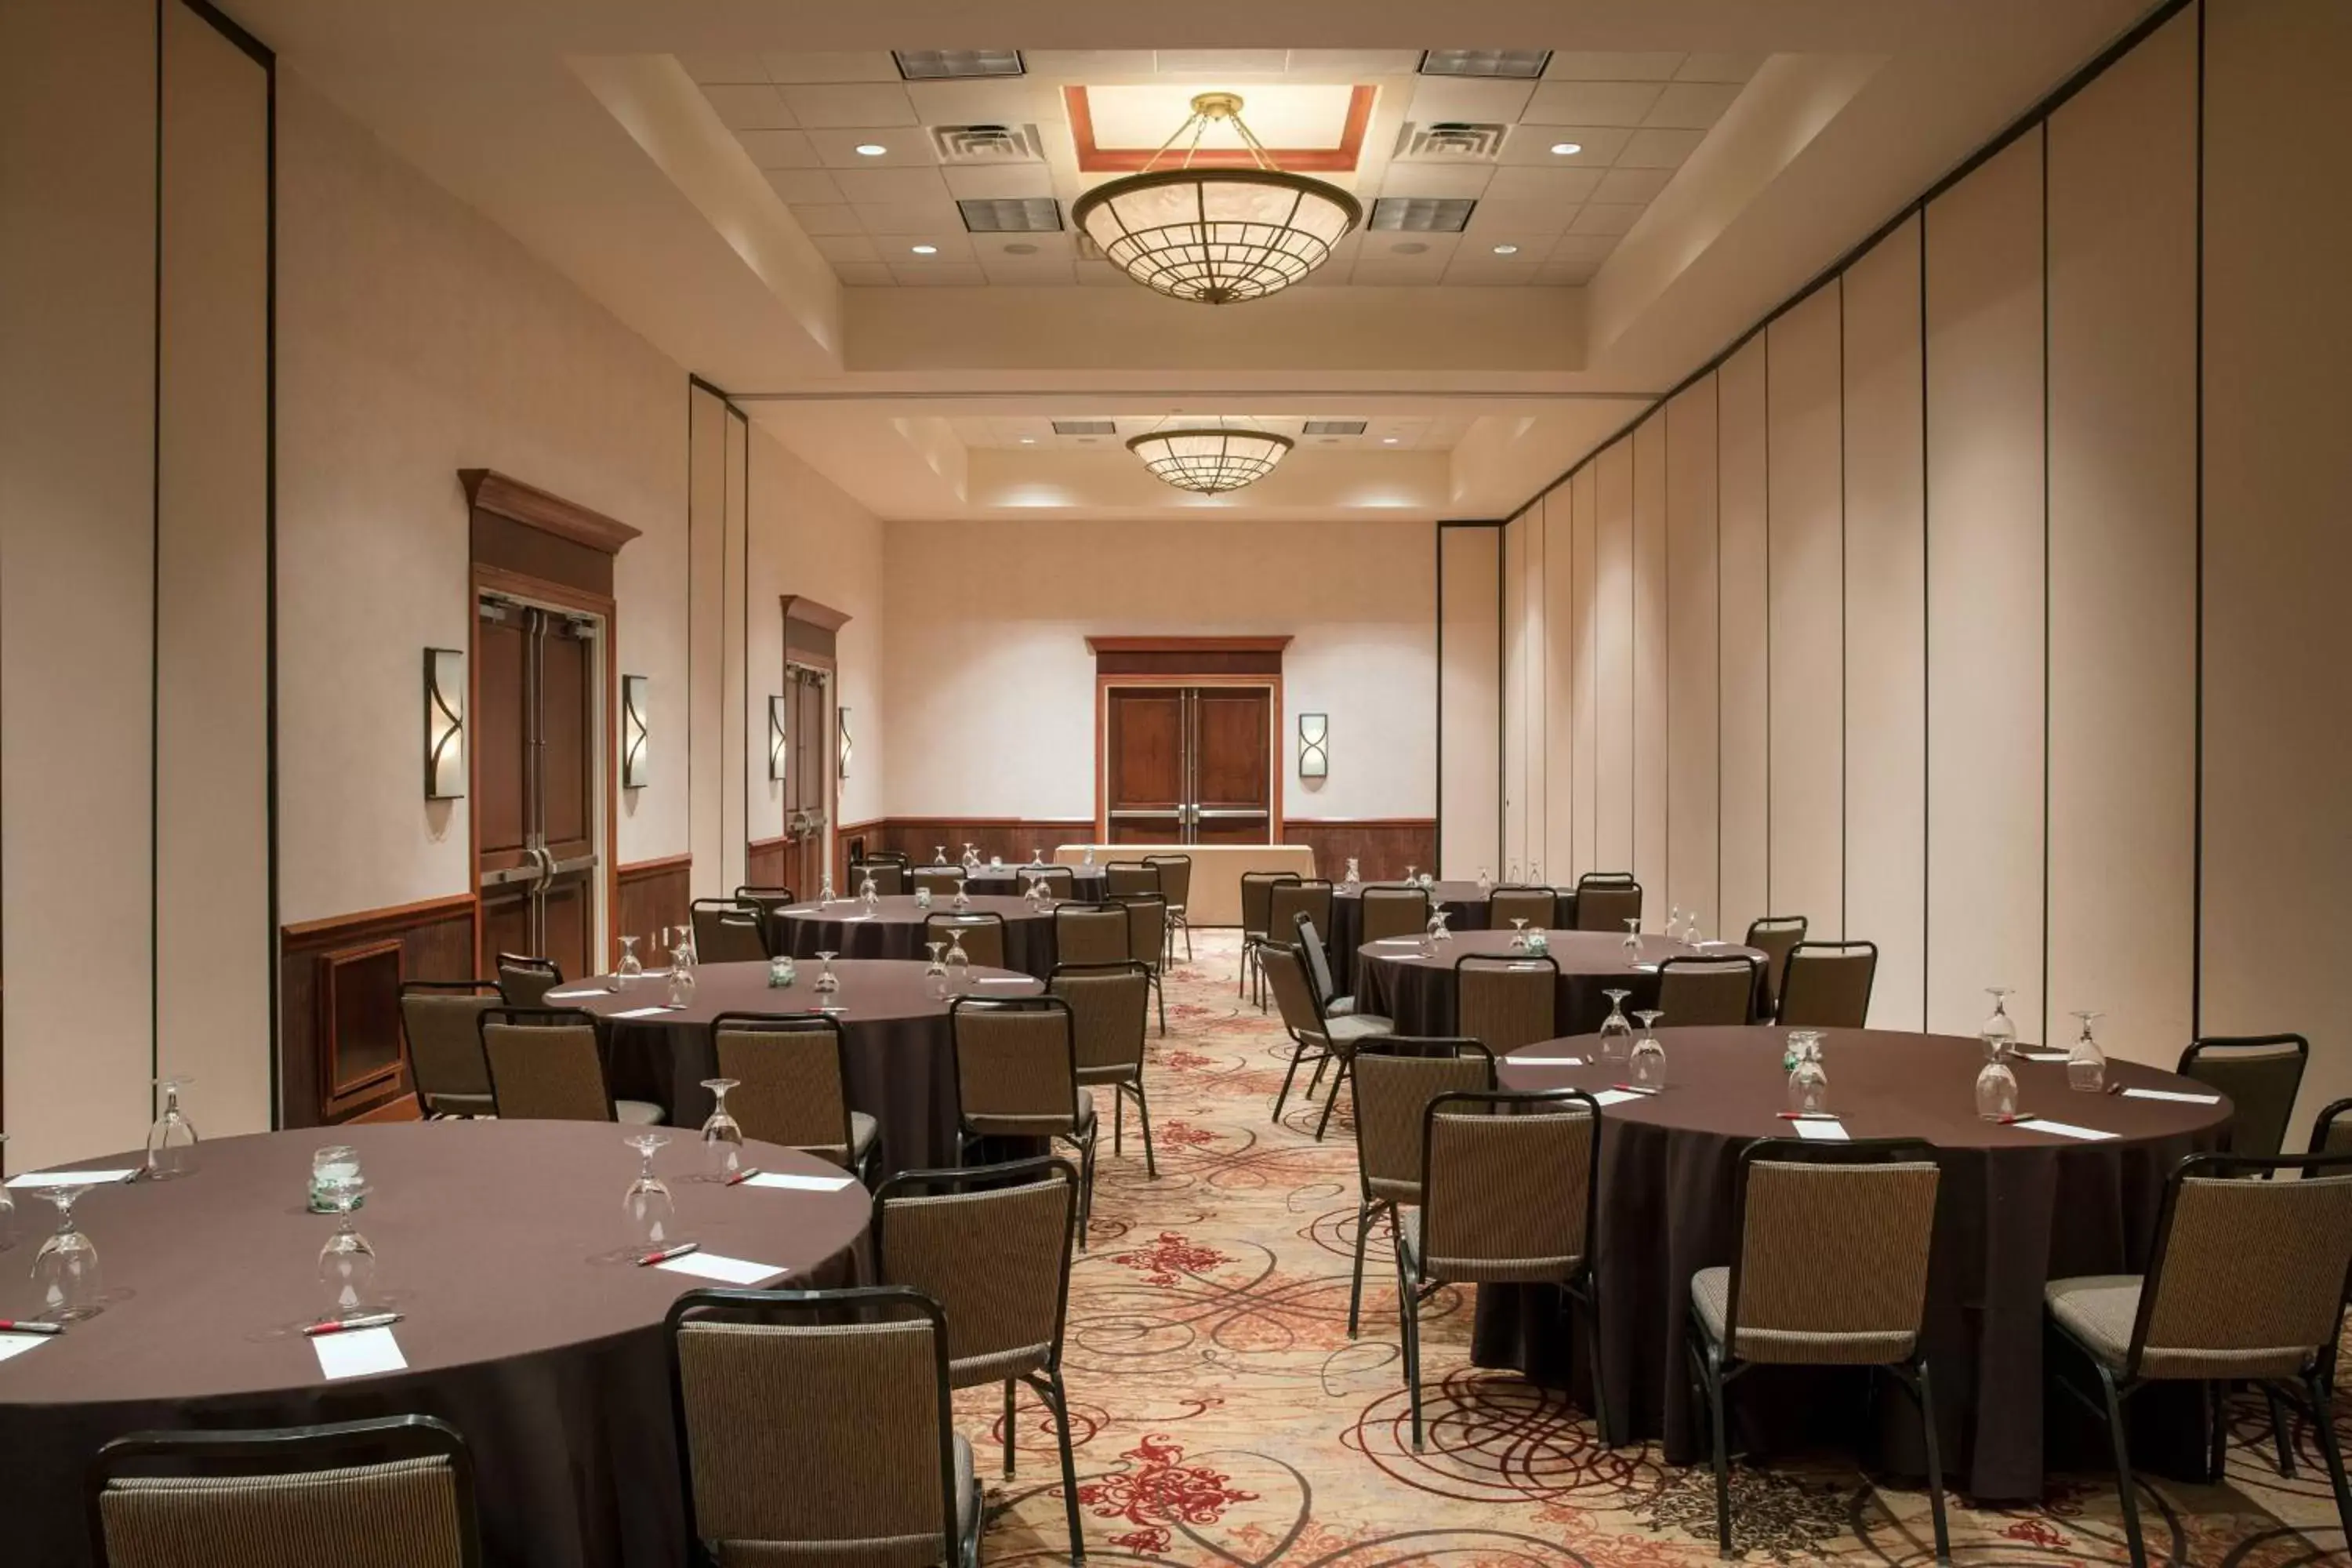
(723, 1135)
(1808, 1081)
(647, 1207)
(922, 897)
(1037, 856)
(868, 894)
(996, 862)
(971, 857)
(781, 973)
(824, 890)
(330, 1166)
(1535, 872)
(1511, 874)
(1648, 1056)
(1616, 1034)
(1518, 934)
(2086, 1064)
(827, 982)
(347, 1263)
(1997, 1090)
(1998, 1032)
(935, 974)
(1429, 878)
(1674, 923)
(172, 1142)
(681, 978)
(66, 1269)
(962, 900)
(939, 854)
(1485, 882)
(1354, 879)
(959, 964)
(1413, 875)
(1090, 854)
(631, 968)
(1632, 943)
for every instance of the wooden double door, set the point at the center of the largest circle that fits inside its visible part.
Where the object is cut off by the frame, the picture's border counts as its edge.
(538, 740)
(1189, 764)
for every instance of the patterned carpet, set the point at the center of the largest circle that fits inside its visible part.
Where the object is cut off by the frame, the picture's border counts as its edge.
(1222, 1417)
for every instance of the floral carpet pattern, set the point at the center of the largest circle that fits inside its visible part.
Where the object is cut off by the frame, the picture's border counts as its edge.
(1222, 1417)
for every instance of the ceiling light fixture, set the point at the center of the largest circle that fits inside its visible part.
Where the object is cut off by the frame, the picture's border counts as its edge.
(1568, 149)
(1387, 440)
(1507, 250)
(1216, 236)
(924, 249)
(870, 149)
(1209, 460)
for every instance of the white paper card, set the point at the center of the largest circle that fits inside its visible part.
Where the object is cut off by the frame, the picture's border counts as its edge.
(71, 1178)
(1822, 1131)
(2172, 1094)
(800, 912)
(17, 1344)
(1647, 968)
(642, 1012)
(574, 996)
(2062, 1128)
(361, 1352)
(1616, 1097)
(2043, 1055)
(793, 1185)
(726, 1271)
(1008, 980)
(1546, 1061)
(1398, 942)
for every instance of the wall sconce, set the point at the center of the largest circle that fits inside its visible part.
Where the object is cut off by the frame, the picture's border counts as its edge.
(444, 723)
(776, 741)
(636, 709)
(841, 728)
(1314, 745)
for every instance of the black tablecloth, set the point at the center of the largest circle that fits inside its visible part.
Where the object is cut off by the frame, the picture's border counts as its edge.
(1397, 983)
(1088, 882)
(1464, 907)
(895, 929)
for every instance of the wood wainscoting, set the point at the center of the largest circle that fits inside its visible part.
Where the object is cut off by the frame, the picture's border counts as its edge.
(653, 894)
(1382, 847)
(339, 999)
(1012, 837)
(764, 860)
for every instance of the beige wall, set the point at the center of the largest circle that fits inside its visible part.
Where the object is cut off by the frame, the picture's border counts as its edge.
(1470, 674)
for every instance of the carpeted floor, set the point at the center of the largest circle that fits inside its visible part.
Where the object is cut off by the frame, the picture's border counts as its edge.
(1222, 1415)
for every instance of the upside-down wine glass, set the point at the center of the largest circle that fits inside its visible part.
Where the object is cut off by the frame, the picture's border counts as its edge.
(681, 977)
(1518, 934)
(171, 1141)
(827, 982)
(1632, 944)
(1485, 882)
(939, 854)
(2086, 1064)
(935, 974)
(962, 900)
(347, 1263)
(1648, 1056)
(1998, 1032)
(723, 1135)
(959, 963)
(631, 967)
(1616, 1034)
(647, 1207)
(66, 1269)
(1354, 881)
(868, 894)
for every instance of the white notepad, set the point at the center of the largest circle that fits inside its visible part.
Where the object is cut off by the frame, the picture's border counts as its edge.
(1822, 1131)
(643, 1012)
(1009, 980)
(2172, 1094)
(1647, 968)
(2044, 1056)
(794, 1185)
(71, 1178)
(1616, 1097)
(1397, 941)
(800, 912)
(360, 1352)
(726, 1271)
(17, 1344)
(573, 995)
(1546, 1061)
(2062, 1128)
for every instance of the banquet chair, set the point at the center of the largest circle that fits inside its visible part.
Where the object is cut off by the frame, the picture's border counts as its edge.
(2331, 1130)
(769, 900)
(1694, 992)
(1121, 878)
(1774, 936)
(1286, 901)
(2244, 1281)
(525, 981)
(1090, 934)
(1061, 882)
(728, 930)
(991, 1245)
(1329, 1039)
(1147, 941)
(1391, 912)
(1540, 906)
(1508, 1185)
(894, 857)
(2261, 1074)
(1831, 1271)
(1258, 924)
(1016, 1064)
(1109, 1004)
(1605, 901)
(843, 1395)
(545, 1066)
(791, 1078)
(274, 1497)
(1395, 1079)
(1176, 886)
(1504, 1002)
(441, 1021)
(1319, 968)
(982, 934)
(1826, 985)
(889, 877)
(942, 880)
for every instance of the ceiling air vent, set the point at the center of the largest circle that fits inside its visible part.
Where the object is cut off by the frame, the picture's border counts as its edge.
(1086, 426)
(1452, 140)
(1334, 427)
(986, 143)
(1524, 65)
(944, 65)
(1423, 214)
(1033, 215)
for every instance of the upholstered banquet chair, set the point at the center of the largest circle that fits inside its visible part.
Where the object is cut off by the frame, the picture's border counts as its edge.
(2261, 1074)
(1060, 881)
(1090, 934)
(1125, 878)
(1396, 1077)
(544, 1066)
(1109, 1004)
(525, 981)
(1605, 901)
(792, 1077)
(443, 1022)
(1540, 906)
(981, 932)
(1311, 943)
(1391, 912)
(1257, 905)
(889, 878)
(1694, 992)
(1826, 985)
(1016, 1065)
(1176, 887)
(1147, 941)
(1506, 1002)
(1286, 901)
(1328, 1040)
(942, 880)
(1775, 936)
(728, 930)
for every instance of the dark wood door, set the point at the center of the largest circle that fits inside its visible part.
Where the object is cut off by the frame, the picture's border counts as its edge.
(1147, 761)
(1232, 793)
(1189, 764)
(808, 777)
(536, 778)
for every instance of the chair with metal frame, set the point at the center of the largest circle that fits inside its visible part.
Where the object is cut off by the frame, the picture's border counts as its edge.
(544, 1066)
(1391, 914)
(1774, 936)
(1826, 985)
(791, 1085)
(990, 1244)
(897, 858)
(263, 1498)
(2244, 1282)
(729, 931)
(525, 981)
(845, 1395)
(1540, 906)
(889, 877)
(942, 880)
(1176, 885)
(1091, 934)
(2261, 1074)
(979, 932)
(1395, 1078)
(771, 903)
(1016, 1064)
(1605, 901)
(1061, 882)
(1505, 1001)
(1326, 1038)
(1147, 940)
(1286, 901)
(1109, 1004)
(1257, 905)
(441, 1020)
(1319, 968)
(1831, 1271)
(1694, 992)
(1509, 1189)
(1125, 878)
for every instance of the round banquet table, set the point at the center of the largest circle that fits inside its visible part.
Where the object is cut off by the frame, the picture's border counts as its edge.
(894, 928)
(1394, 981)
(528, 1326)
(2015, 1209)
(901, 1056)
(1087, 883)
(1464, 907)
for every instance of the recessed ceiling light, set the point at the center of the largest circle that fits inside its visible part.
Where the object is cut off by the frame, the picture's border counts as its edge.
(871, 148)
(924, 249)
(1507, 250)
(1028, 440)
(1387, 440)
(1565, 149)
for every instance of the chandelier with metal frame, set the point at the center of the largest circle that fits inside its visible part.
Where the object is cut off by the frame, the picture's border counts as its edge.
(1216, 236)
(1209, 460)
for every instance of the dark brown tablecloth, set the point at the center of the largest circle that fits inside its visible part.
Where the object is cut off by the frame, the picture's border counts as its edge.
(527, 1327)
(1464, 907)
(901, 1057)
(1088, 882)
(1397, 983)
(894, 929)
(2015, 1209)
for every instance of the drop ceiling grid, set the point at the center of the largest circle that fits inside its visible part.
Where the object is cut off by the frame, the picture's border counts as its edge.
(1408, 433)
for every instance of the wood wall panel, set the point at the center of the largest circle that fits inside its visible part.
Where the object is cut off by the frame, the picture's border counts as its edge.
(1382, 848)
(767, 863)
(1013, 838)
(1986, 607)
(1560, 756)
(653, 894)
(1652, 697)
(1613, 658)
(1691, 716)
(1885, 626)
(434, 941)
(1470, 827)
(1744, 651)
(2123, 549)
(1516, 735)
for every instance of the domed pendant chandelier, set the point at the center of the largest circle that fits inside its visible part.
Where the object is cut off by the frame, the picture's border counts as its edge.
(1216, 236)
(1210, 461)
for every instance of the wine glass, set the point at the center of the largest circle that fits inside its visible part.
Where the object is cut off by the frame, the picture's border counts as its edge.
(630, 968)
(935, 974)
(681, 978)
(827, 982)
(939, 854)
(1997, 1089)
(347, 1263)
(868, 894)
(962, 900)
(1616, 1034)
(1518, 934)
(723, 1135)
(1036, 855)
(66, 1269)
(1485, 882)
(1354, 879)
(824, 890)
(171, 1141)
(1809, 1080)
(1998, 1032)
(1412, 875)
(1632, 943)
(1535, 872)
(959, 963)
(2086, 1064)
(1511, 874)
(651, 1212)
(1648, 1056)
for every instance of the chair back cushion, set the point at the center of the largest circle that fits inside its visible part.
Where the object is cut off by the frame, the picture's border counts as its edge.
(1833, 1261)
(1825, 987)
(1607, 906)
(527, 985)
(402, 1513)
(1107, 1009)
(728, 934)
(1392, 1092)
(546, 1072)
(1286, 901)
(1507, 1198)
(1775, 936)
(1090, 934)
(2252, 1278)
(444, 1043)
(1286, 976)
(994, 1260)
(1175, 876)
(1540, 906)
(1394, 912)
(1147, 927)
(1311, 942)
(940, 879)
(1504, 1004)
(787, 1084)
(889, 878)
(1697, 992)
(1121, 877)
(2262, 1082)
(1015, 1074)
(983, 936)
(1258, 899)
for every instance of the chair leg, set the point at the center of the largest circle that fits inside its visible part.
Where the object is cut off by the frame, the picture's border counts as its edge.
(2124, 1481)
(1934, 1459)
(1316, 1082)
(2315, 1391)
(1289, 1073)
(1061, 1401)
(1338, 1080)
(1713, 1378)
(1364, 1211)
(1009, 1423)
(2282, 1431)
(1160, 992)
(1188, 941)
(1412, 1304)
(1591, 1304)
(1117, 1118)
(1143, 1115)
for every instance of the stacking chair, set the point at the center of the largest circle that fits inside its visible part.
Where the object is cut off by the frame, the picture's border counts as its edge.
(1286, 901)
(1393, 913)
(889, 877)
(1061, 882)
(269, 1498)
(792, 1077)
(2261, 1074)
(1831, 1270)
(895, 856)
(2331, 1130)
(1774, 936)
(1108, 1006)
(525, 981)
(1176, 887)
(442, 1019)
(1826, 985)
(1506, 1003)
(981, 933)
(769, 900)
(1124, 878)
(1540, 906)
(940, 879)
(1258, 924)
(1395, 1079)
(1605, 901)
(1090, 934)
(1147, 941)
(1326, 1038)
(1318, 967)
(1017, 1077)
(814, 1427)
(991, 1245)
(2245, 1281)
(1507, 1196)
(1693, 992)
(728, 930)
(545, 1066)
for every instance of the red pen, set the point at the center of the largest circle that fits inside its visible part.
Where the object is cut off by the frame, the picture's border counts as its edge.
(743, 1176)
(667, 1252)
(1807, 1116)
(1631, 1088)
(347, 1325)
(13, 1326)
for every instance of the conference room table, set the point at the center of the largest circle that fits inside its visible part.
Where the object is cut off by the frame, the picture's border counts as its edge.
(1396, 981)
(2016, 1207)
(526, 1321)
(1088, 883)
(901, 1068)
(1464, 904)
(894, 928)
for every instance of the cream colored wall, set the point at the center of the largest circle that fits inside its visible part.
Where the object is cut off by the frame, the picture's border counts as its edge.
(1470, 688)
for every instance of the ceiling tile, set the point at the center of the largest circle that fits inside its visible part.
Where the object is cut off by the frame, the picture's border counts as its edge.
(1496, 221)
(862, 186)
(853, 105)
(1569, 66)
(845, 248)
(951, 276)
(1478, 101)
(1566, 185)
(1464, 180)
(1087, 65)
(1566, 274)
(1355, 63)
(999, 182)
(831, 219)
(918, 220)
(1600, 217)
(1659, 149)
(903, 147)
(865, 275)
(1500, 275)
(949, 249)
(1581, 250)
(1691, 105)
(805, 187)
(1030, 248)
(1719, 67)
(724, 68)
(1028, 272)
(1559, 103)
(750, 108)
(862, 65)
(1390, 274)
(1635, 186)
(1409, 249)
(1530, 146)
(1102, 274)
(997, 100)
(778, 149)
(1221, 62)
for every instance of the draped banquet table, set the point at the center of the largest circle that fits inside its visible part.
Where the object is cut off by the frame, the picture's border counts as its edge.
(894, 928)
(1088, 883)
(527, 1324)
(1464, 907)
(901, 1056)
(2015, 1209)
(1394, 981)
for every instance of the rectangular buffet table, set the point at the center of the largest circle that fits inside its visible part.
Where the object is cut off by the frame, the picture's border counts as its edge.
(1215, 898)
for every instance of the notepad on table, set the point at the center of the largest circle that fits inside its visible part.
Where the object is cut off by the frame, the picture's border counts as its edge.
(1647, 968)
(2062, 1129)
(1008, 980)
(796, 1184)
(574, 996)
(726, 1271)
(643, 1012)
(71, 1178)
(2044, 1056)
(358, 1352)
(1546, 1062)
(17, 1344)
(1617, 1096)
(2173, 1094)
(1396, 942)
(1820, 1131)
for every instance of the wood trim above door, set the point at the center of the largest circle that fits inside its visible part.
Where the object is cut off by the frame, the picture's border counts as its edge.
(488, 490)
(1102, 645)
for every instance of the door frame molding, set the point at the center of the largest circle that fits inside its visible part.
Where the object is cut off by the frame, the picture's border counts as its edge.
(1105, 684)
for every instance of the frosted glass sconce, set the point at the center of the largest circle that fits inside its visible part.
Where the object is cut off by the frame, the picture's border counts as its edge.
(1313, 738)
(444, 723)
(637, 712)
